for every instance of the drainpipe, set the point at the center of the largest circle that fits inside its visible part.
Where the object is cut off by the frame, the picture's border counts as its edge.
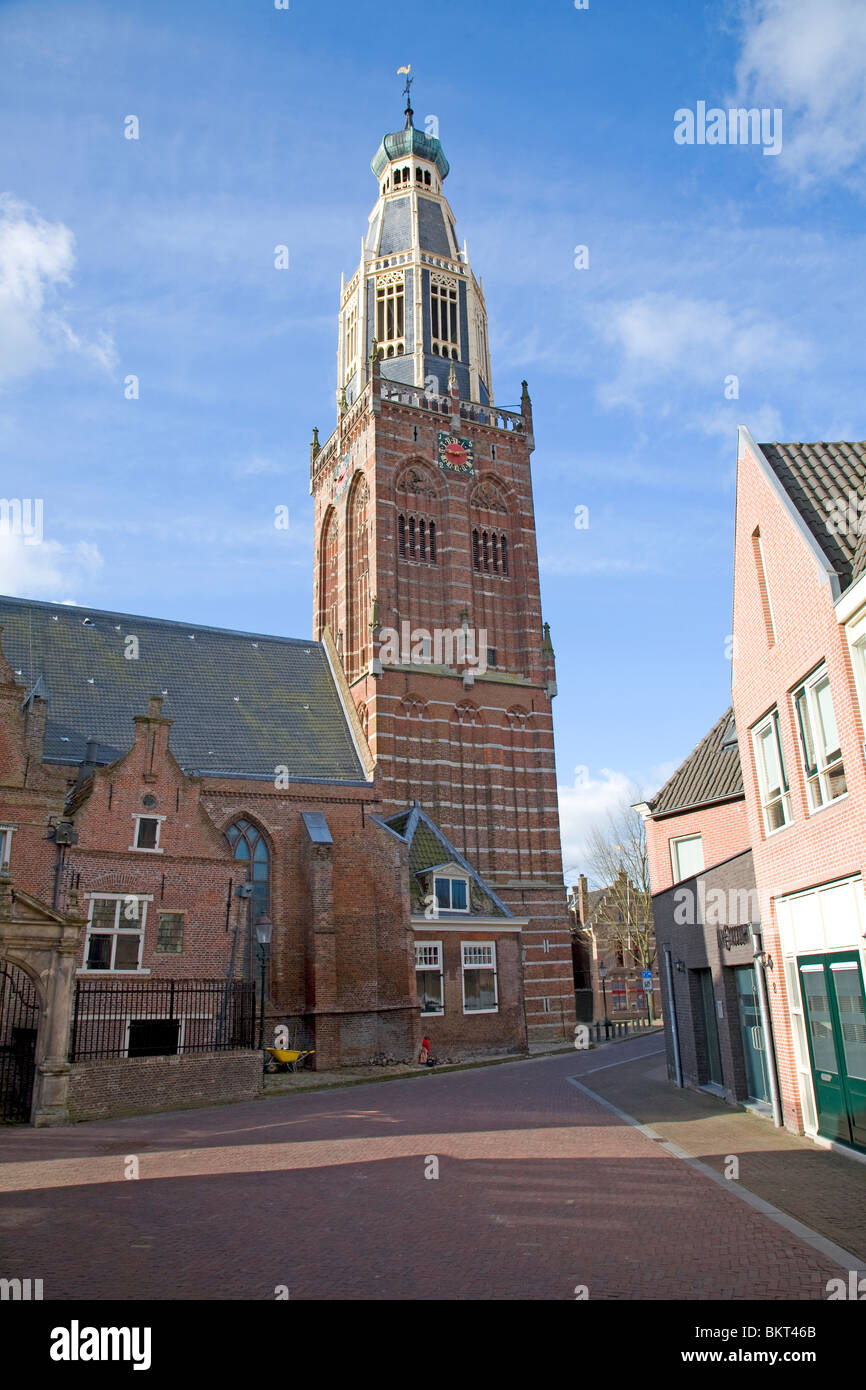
(760, 976)
(675, 1035)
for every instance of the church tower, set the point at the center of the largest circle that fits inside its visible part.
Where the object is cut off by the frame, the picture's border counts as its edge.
(426, 570)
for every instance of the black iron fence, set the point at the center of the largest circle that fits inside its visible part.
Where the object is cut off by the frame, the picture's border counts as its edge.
(161, 1018)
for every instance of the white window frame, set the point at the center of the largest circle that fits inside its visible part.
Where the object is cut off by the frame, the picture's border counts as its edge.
(147, 849)
(431, 967)
(817, 782)
(116, 931)
(468, 946)
(771, 723)
(6, 833)
(676, 841)
(857, 644)
(449, 879)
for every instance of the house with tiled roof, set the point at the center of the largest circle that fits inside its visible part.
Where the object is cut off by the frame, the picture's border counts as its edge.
(799, 697)
(758, 841)
(176, 794)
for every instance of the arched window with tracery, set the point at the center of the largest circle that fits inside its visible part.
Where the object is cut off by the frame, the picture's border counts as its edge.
(328, 551)
(493, 602)
(417, 503)
(359, 577)
(250, 849)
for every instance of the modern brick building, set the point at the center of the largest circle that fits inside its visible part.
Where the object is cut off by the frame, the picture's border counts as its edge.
(384, 794)
(794, 790)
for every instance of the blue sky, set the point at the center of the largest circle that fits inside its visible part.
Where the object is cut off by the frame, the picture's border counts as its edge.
(154, 257)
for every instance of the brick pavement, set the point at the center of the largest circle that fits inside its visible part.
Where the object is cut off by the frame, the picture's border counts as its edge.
(824, 1189)
(540, 1189)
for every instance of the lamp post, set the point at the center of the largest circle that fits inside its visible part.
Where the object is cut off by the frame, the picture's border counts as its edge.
(264, 927)
(602, 975)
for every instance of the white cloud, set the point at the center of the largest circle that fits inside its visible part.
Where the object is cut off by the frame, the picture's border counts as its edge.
(36, 260)
(765, 423)
(585, 805)
(665, 339)
(590, 803)
(256, 465)
(45, 569)
(810, 60)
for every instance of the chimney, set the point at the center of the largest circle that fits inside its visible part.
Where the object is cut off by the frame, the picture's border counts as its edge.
(582, 900)
(151, 733)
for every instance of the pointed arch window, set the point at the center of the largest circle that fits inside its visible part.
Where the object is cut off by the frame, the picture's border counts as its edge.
(250, 849)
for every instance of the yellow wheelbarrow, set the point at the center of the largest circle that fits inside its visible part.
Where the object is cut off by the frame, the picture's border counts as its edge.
(287, 1061)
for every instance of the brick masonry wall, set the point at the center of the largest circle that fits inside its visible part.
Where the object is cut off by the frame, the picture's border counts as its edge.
(145, 1085)
(480, 761)
(697, 945)
(814, 848)
(724, 831)
(459, 1034)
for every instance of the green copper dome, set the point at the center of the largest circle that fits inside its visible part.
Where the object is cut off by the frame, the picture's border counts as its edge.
(405, 142)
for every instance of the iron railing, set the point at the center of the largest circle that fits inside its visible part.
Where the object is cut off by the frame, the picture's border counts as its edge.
(161, 1018)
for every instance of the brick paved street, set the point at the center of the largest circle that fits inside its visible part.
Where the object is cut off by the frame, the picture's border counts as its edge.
(541, 1188)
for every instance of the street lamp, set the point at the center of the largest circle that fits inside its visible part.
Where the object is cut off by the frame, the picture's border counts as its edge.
(264, 927)
(602, 975)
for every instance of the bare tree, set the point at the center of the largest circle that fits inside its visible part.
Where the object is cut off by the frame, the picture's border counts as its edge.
(617, 862)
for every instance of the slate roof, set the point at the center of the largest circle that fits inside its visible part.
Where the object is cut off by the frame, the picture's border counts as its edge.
(430, 849)
(816, 477)
(711, 773)
(287, 711)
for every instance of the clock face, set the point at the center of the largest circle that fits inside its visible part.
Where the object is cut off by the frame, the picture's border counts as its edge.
(341, 475)
(455, 455)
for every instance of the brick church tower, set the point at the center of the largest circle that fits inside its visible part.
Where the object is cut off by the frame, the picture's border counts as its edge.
(426, 570)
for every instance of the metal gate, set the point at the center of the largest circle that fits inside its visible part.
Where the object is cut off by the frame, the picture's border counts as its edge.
(19, 1024)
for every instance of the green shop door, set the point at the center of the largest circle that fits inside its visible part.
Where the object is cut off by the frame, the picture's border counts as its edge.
(836, 1028)
(752, 1033)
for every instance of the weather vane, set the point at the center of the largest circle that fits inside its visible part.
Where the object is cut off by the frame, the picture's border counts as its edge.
(407, 90)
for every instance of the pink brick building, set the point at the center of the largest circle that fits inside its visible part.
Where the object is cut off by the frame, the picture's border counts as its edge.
(787, 816)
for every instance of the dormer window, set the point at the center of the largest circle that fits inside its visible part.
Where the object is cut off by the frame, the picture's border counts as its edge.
(452, 894)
